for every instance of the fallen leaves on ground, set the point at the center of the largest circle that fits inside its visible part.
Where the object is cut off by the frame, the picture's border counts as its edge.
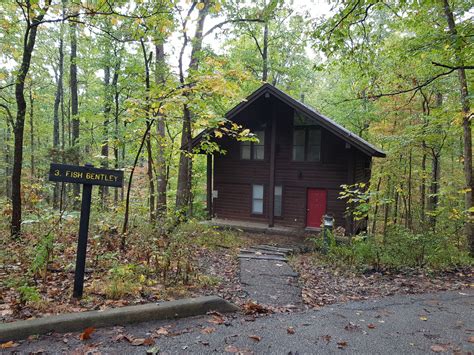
(290, 330)
(86, 334)
(323, 284)
(341, 344)
(135, 341)
(371, 326)
(251, 307)
(233, 349)
(8, 344)
(471, 339)
(326, 338)
(142, 341)
(439, 348)
(216, 319)
(153, 351)
(350, 327)
(218, 265)
(255, 337)
(208, 330)
(162, 331)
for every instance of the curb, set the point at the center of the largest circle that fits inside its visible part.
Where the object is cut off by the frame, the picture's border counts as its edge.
(72, 322)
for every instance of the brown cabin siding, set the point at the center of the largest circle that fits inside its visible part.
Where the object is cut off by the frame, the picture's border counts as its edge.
(233, 177)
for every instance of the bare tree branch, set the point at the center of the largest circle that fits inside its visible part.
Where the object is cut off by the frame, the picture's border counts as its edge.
(343, 18)
(9, 115)
(219, 25)
(89, 12)
(6, 86)
(466, 67)
(414, 88)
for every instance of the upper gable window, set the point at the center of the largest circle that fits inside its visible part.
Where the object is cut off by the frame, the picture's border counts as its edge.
(253, 150)
(306, 139)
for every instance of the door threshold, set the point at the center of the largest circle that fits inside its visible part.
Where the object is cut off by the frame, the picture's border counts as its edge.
(313, 229)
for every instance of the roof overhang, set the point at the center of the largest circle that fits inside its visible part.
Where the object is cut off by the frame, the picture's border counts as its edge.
(308, 111)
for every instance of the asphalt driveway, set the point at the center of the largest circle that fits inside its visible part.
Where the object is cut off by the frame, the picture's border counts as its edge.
(441, 322)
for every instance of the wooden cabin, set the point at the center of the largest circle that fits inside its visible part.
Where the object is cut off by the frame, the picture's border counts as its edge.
(293, 175)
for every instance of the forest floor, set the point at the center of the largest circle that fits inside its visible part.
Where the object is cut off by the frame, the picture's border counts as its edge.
(117, 279)
(112, 279)
(323, 284)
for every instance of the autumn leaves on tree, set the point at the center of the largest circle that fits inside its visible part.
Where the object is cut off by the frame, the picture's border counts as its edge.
(127, 85)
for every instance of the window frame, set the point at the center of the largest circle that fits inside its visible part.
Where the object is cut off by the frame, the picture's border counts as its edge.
(281, 201)
(306, 128)
(253, 198)
(252, 146)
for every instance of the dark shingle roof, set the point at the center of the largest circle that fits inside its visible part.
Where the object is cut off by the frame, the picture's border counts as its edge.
(310, 112)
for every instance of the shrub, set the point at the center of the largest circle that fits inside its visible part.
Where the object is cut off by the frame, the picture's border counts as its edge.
(29, 294)
(401, 248)
(123, 280)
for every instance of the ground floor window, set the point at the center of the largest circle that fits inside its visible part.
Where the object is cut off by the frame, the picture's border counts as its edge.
(257, 199)
(278, 201)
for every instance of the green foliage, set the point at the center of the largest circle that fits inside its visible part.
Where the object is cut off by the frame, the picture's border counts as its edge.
(42, 254)
(29, 294)
(401, 249)
(123, 280)
(357, 199)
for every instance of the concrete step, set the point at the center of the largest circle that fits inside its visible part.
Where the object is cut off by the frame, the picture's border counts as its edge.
(262, 257)
(261, 251)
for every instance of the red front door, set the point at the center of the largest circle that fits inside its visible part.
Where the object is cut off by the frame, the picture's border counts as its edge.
(316, 207)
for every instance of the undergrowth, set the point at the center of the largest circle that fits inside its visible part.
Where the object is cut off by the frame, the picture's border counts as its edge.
(399, 249)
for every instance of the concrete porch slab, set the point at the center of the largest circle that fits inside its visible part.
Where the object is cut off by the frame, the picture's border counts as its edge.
(257, 227)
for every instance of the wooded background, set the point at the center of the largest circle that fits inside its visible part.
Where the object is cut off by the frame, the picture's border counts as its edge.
(126, 84)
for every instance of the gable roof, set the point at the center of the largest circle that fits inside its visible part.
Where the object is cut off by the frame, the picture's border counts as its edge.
(310, 112)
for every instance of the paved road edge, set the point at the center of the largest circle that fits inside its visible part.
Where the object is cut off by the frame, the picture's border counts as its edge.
(72, 322)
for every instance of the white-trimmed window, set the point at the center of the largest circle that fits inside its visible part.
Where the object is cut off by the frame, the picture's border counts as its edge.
(257, 199)
(277, 210)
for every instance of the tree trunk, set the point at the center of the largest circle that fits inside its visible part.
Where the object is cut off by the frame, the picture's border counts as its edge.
(386, 212)
(74, 107)
(19, 126)
(161, 176)
(32, 134)
(265, 53)
(104, 151)
(376, 209)
(434, 188)
(423, 186)
(58, 101)
(183, 190)
(183, 195)
(466, 124)
(408, 216)
(116, 94)
(151, 184)
(8, 180)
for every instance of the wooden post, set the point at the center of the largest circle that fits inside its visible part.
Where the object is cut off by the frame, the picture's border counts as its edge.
(87, 176)
(271, 190)
(82, 241)
(209, 186)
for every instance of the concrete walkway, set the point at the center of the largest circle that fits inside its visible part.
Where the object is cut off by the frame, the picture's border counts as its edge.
(268, 279)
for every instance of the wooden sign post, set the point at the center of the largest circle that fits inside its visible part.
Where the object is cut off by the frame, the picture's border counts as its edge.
(87, 176)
